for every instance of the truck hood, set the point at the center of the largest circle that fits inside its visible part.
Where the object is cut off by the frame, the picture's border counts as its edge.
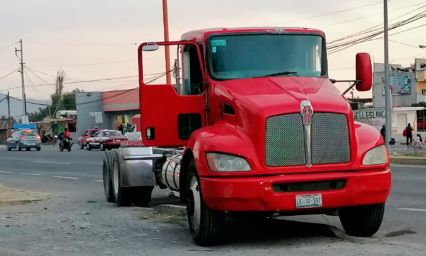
(278, 95)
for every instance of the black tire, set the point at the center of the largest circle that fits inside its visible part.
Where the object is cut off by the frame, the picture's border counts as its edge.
(69, 148)
(28, 149)
(61, 147)
(88, 147)
(38, 149)
(142, 196)
(9, 149)
(122, 196)
(108, 189)
(363, 220)
(212, 222)
(81, 145)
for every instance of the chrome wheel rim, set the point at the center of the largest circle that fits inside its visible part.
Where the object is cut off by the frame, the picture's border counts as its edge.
(195, 203)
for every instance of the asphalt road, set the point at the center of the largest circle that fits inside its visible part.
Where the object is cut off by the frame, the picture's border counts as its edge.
(79, 221)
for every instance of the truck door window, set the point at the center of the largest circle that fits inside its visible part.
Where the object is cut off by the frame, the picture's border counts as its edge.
(193, 79)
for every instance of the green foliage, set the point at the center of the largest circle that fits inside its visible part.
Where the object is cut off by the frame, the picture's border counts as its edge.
(60, 100)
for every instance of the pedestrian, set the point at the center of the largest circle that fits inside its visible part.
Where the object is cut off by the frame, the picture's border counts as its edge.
(409, 134)
(120, 128)
(419, 137)
(383, 132)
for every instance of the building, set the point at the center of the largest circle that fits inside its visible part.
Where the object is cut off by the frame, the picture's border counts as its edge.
(408, 87)
(420, 69)
(106, 110)
(3, 131)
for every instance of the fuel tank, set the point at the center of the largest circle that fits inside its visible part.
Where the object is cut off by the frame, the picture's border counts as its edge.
(171, 172)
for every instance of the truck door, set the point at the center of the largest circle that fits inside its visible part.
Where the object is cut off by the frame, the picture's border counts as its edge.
(170, 113)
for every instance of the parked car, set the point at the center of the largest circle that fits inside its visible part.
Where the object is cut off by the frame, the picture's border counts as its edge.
(89, 133)
(105, 139)
(27, 139)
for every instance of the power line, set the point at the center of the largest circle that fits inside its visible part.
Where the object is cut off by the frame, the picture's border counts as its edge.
(37, 91)
(370, 35)
(4, 48)
(410, 45)
(364, 17)
(89, 102)
(8, 74)
(331, 13)
(38, 76)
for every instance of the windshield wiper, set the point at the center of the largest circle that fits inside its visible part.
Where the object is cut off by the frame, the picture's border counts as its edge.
(282, 73)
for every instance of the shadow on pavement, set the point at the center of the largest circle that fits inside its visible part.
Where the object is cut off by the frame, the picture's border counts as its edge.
(271, 231)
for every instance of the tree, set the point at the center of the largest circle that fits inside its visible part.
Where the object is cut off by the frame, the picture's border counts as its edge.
(3, 117)
(60, 100)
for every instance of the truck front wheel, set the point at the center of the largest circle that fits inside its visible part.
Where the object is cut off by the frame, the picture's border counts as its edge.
(362, 220)
(206, 225)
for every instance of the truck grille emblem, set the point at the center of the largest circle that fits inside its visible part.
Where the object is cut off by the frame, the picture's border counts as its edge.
(307, 112)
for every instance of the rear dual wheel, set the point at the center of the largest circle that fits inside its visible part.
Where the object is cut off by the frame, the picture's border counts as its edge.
(115, 192)
(109, 194)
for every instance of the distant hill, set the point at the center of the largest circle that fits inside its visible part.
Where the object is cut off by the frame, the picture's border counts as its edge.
(16, 106)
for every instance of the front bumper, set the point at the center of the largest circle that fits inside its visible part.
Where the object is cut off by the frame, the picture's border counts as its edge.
(257, 194)
(29, 144)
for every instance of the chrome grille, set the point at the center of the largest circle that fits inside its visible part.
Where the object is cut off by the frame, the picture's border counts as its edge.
(285, 139)
(330, 139)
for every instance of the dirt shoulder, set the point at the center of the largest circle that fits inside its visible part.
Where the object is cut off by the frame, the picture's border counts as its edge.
(19, 197)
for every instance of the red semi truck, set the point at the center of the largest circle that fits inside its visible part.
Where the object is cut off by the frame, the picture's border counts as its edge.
(253, 124)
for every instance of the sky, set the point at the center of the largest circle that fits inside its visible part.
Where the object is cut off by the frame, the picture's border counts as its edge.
(98, 39)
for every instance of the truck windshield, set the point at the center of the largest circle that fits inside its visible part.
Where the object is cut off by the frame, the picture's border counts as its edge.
(262, 55)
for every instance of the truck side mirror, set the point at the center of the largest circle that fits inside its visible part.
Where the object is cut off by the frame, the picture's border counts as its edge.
(149, 47)
(364, 72)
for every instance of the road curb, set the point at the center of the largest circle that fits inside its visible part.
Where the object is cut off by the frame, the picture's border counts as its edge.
(408, 160)
(171, 209)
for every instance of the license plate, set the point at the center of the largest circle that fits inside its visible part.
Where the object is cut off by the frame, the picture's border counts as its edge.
(31, 144)
(117, 140)
(308, 201)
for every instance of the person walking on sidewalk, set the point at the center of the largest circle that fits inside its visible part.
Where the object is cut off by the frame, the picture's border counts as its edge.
(383, 132)
(409, 134)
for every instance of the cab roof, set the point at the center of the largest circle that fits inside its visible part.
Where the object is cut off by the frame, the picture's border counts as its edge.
(201, 34)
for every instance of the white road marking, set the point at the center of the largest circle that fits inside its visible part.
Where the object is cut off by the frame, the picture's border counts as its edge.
(412, 209)
(39, 162)
(61, 177)
(34, 174)
(99, 180)
(6, 172)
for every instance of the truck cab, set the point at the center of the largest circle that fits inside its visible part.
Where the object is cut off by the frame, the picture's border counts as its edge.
(264, 129)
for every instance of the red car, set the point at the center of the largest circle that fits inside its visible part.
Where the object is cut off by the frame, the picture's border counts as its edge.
(89, 133)
(105, 139)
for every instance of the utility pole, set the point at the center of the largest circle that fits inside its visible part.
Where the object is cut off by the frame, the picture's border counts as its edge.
(388, 106)
(24, 118)
(8, 112)
(166, 39)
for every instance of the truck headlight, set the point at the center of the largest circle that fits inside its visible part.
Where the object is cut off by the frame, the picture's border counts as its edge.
(377, 155)
(227, 163)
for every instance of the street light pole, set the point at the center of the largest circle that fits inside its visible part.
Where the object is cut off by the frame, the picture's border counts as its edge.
(166, 39)
(388, 107)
